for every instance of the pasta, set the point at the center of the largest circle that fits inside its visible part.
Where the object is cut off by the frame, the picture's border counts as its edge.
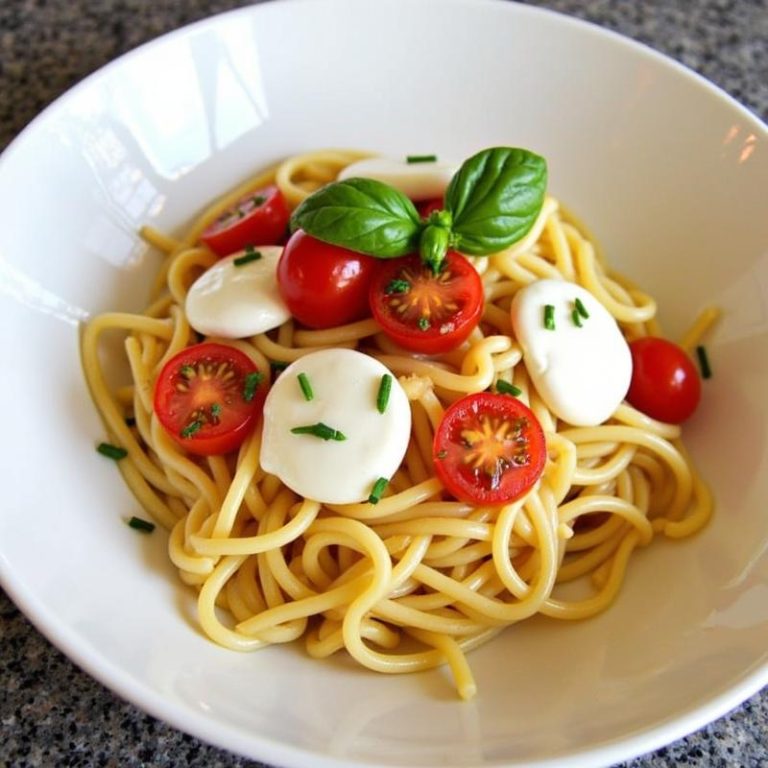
(418, 579)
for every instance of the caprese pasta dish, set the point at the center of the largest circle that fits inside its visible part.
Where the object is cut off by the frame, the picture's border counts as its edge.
(391, 406)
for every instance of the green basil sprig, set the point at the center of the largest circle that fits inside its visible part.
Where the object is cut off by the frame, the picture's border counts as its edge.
(491, 202)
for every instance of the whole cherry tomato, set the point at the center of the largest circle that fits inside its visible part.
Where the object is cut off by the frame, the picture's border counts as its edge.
(665, 383)
(324, 285)
(425, 207)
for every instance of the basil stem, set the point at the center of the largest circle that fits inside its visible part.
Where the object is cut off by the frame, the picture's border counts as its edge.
(433, 246)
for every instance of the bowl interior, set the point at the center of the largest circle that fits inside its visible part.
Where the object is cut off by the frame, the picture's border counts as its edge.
(668, 173)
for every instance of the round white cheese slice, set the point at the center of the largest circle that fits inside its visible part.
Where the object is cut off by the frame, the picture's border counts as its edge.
(582, 373)
(418, 181)
(345, 386)
(237, 301)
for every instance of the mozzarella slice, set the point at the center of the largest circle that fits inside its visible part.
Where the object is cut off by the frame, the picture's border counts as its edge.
(419, 181)
(238, 301)
(581, 373)
(345, 385)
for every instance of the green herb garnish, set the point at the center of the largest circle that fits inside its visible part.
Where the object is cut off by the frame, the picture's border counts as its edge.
(215, 411)
(306, 387)
(424, 323)
(252, 381)
(505, 388)
(580, 308)
(111, 451)
(378, 489)
(251, 254)
(398, 285)
(421, 159)
(549, 317)
(187, 371)
(491, 202)
(706, 370)
(385, 387)
(192, 428)
(258, 200)
(277, 366)
(323, 431)
(576, 317)
(141, 525)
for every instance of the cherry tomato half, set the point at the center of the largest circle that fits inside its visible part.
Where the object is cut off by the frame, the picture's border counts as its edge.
(665, 383)
(489, 449)
(324, 285)
(209, 397)
(427, 312)
(260, 218)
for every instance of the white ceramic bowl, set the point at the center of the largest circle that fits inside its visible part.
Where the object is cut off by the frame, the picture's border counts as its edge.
(671, 174)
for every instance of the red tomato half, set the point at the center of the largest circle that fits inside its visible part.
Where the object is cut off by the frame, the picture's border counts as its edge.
(209, 397)
(260, 218)
(425, 312)
(665, 383)
(489, 449)
(324, 285)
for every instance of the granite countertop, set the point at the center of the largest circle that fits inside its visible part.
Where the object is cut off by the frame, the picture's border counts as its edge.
(52, 714)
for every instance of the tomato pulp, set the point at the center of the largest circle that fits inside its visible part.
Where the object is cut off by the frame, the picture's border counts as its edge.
(208, 397)
(423, 311)
(489, 449)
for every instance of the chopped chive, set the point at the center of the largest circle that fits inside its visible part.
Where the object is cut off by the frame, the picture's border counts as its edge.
(576, 317)
(277, 366)
(398, 285)
(580, 308)
(141, 525)
(505, 388)
(258, 200)
(421, 159)
(192, 428)
(251, 254)
(130, 421)
(424, 323)
(306, 387)
(385, 387)
(111, 451)
(215, 410)
(187, 371)
(323, 431)
(378, 489)
(706, 370)
(549, 317)
(252, 380)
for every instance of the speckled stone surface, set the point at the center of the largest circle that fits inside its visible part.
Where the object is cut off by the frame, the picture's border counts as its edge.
(51, 713)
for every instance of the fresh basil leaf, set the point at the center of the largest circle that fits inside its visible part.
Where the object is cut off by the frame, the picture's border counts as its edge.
(495, 198)
(363, 215)
(433, 246)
